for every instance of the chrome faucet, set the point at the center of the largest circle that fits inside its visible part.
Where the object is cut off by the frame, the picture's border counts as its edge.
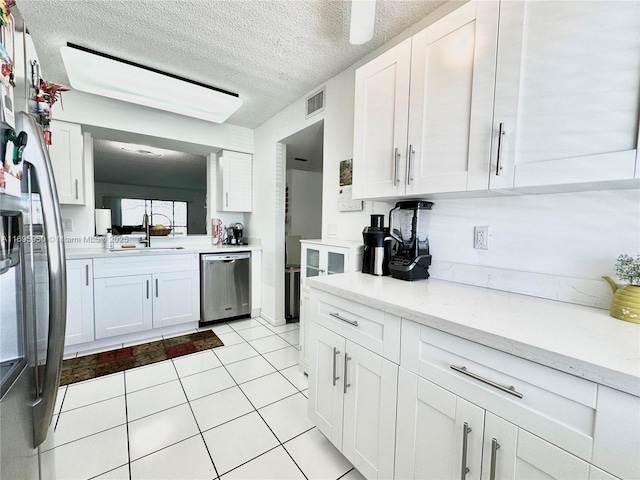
(146, 223)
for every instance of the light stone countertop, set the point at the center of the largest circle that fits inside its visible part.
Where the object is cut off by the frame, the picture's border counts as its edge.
(140, 250)
(582, 341)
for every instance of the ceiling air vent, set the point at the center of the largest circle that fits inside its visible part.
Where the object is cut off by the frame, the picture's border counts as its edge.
(315, 102)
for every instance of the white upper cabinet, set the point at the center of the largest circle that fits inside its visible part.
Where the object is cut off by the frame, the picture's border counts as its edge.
(451, 101)
(66, 158)
(537, 96)
(380, 119)
(234, 184)
(567, 93)
(435, 135)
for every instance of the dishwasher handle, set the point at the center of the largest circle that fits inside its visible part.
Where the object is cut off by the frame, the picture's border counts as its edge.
(226, 258)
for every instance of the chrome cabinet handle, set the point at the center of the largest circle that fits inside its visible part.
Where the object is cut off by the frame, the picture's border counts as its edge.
(396, 159)
(38, 158)
(147, 288)
(77, 189)
(501, 133)
(410, 165)
(87, 273)
(494, 452)
(466, 430)
(346, 366)
(227, 199)
(156, 288)
(510, 389)
(350, 322)
(335, 354)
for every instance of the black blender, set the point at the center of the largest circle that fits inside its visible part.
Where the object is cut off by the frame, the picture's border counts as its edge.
(408, 224)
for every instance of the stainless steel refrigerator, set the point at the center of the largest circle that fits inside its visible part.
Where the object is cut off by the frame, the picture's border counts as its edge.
(32, 296)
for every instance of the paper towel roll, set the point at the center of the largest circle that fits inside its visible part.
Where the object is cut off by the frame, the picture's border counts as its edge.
(103, 220)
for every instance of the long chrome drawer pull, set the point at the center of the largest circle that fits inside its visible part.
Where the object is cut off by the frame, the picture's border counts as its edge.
(494, 452)
(346, 366)
(510, 389)
(335, 354)
(466, 430)
(351, 322)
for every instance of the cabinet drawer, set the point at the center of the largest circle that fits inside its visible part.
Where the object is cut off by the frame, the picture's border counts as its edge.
(120, 265)
(373, 329)
(554, 405)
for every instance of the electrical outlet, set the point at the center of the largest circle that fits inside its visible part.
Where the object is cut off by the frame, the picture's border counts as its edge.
(481, 237)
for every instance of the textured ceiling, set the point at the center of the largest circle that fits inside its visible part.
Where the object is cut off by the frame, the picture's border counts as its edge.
(270, 52)
(171, 169)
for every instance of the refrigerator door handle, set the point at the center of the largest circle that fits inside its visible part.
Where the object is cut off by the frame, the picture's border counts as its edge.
(37, 156)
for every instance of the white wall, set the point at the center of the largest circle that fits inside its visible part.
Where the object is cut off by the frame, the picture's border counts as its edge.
(305, 203)
(555, 246)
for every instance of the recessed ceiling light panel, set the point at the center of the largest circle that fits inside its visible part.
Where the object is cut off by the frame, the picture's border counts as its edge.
(107, 76)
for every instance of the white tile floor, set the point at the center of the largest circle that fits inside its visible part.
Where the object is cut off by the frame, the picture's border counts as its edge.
(234, 412)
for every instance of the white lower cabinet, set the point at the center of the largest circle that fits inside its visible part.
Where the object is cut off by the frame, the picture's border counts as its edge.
(136, 295)
(352, 400)
(123, 305)
(80, 321)
(438, 433)
(456, 409)
(174, 301)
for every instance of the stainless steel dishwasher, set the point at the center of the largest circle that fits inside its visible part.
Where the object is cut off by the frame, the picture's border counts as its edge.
(225, 286)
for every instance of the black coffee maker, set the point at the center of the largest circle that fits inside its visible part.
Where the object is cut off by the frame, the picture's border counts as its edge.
(408, 224)
(377, 247)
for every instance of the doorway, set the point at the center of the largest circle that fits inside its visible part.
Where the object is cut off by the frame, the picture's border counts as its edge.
(303, 205)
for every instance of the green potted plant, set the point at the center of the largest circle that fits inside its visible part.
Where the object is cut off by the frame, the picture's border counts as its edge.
(626, 300)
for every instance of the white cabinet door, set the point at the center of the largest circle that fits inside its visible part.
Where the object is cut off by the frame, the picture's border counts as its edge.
(380, 124)
(616, 442)
(66, 158)
(176, 298)
(326, 259)
(438, 433)
(80, 322)
(122, 305)
(567, 93)
(304, 330)
(513, 453)
(235, 185)
(325, 382)
(369, 411)
(452, 86)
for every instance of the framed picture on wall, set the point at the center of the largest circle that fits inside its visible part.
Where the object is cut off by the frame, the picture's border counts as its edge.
(345, 201)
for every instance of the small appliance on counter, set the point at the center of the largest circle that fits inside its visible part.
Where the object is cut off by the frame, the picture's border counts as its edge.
(377, 247)
(408, 225)
(234, 234)
(238, 233)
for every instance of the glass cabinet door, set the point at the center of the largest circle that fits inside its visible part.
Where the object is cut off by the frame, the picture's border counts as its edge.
(335, 263)
(313, 262)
